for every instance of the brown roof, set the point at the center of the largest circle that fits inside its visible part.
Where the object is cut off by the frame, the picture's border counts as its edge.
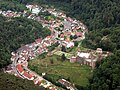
(19, 67)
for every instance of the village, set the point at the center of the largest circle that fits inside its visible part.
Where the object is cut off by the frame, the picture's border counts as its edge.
(65, 31)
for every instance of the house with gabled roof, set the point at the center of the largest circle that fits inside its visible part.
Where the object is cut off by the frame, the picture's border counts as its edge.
(28, 76)
(68, 43)
(20, 68)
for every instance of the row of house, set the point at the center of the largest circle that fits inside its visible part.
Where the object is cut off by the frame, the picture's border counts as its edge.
(30, 51)
(10, 13)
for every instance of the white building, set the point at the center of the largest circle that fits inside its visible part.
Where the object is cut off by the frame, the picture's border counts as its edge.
(83, 55)
(35, 10)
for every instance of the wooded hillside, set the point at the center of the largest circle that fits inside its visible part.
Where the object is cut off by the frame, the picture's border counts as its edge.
(15, 32)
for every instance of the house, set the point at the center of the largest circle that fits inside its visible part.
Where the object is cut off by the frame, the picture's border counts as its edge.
(47, 43)
(28, 76)
(20, 68)
(38, 41)
(68, 43)
(29, 7)
(63, 15)
(8, 69)
(39, 83)
(99, 51)
(62, 37)
(53, 89)
(39, 51)
(68, 33)
(73, 59)
(13, 57)
(35, 81)
(36, 10)
(79, 34)
(54, 13)
(48, 38)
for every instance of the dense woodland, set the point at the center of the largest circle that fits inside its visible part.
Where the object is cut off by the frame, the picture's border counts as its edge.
(13, 6)
(10, 82)
(15, 32)
(108, 38)
(107, 74)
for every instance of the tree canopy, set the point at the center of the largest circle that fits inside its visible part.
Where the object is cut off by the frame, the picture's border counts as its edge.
(12, 5)
(107, 75)
(107, 39)
(10, 82)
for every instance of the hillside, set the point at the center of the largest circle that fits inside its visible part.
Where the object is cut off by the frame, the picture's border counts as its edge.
(94, 13)
(107, 74)
(10, 82)
(15, 32)
(107, 39)
(13, 6)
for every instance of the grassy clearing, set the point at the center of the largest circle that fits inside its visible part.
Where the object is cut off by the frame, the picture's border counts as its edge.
(60, 53)
(56, 69)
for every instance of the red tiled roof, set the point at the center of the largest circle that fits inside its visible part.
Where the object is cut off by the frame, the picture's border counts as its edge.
(53, 88)
(19, 67)
(47, 41)
(27, 75)
(34, 81)
(39, 82)
(69, 33)
(44, 45)
(79, 34)
(67, 41)
(47, 86)
(49, 37)
(38, 40)
(62, 35)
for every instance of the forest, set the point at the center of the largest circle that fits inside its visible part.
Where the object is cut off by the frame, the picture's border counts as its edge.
(10, 82)
(106, 76)
(15, 32)
(108, 39)
(13, 6)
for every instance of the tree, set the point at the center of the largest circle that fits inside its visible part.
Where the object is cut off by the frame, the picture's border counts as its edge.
(76, 43)
(63, 48)
(75, 37)
(71, 37)
(63, 57)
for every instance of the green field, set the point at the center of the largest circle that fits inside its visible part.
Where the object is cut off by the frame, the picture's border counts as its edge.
(56, 69)
(60, 53)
